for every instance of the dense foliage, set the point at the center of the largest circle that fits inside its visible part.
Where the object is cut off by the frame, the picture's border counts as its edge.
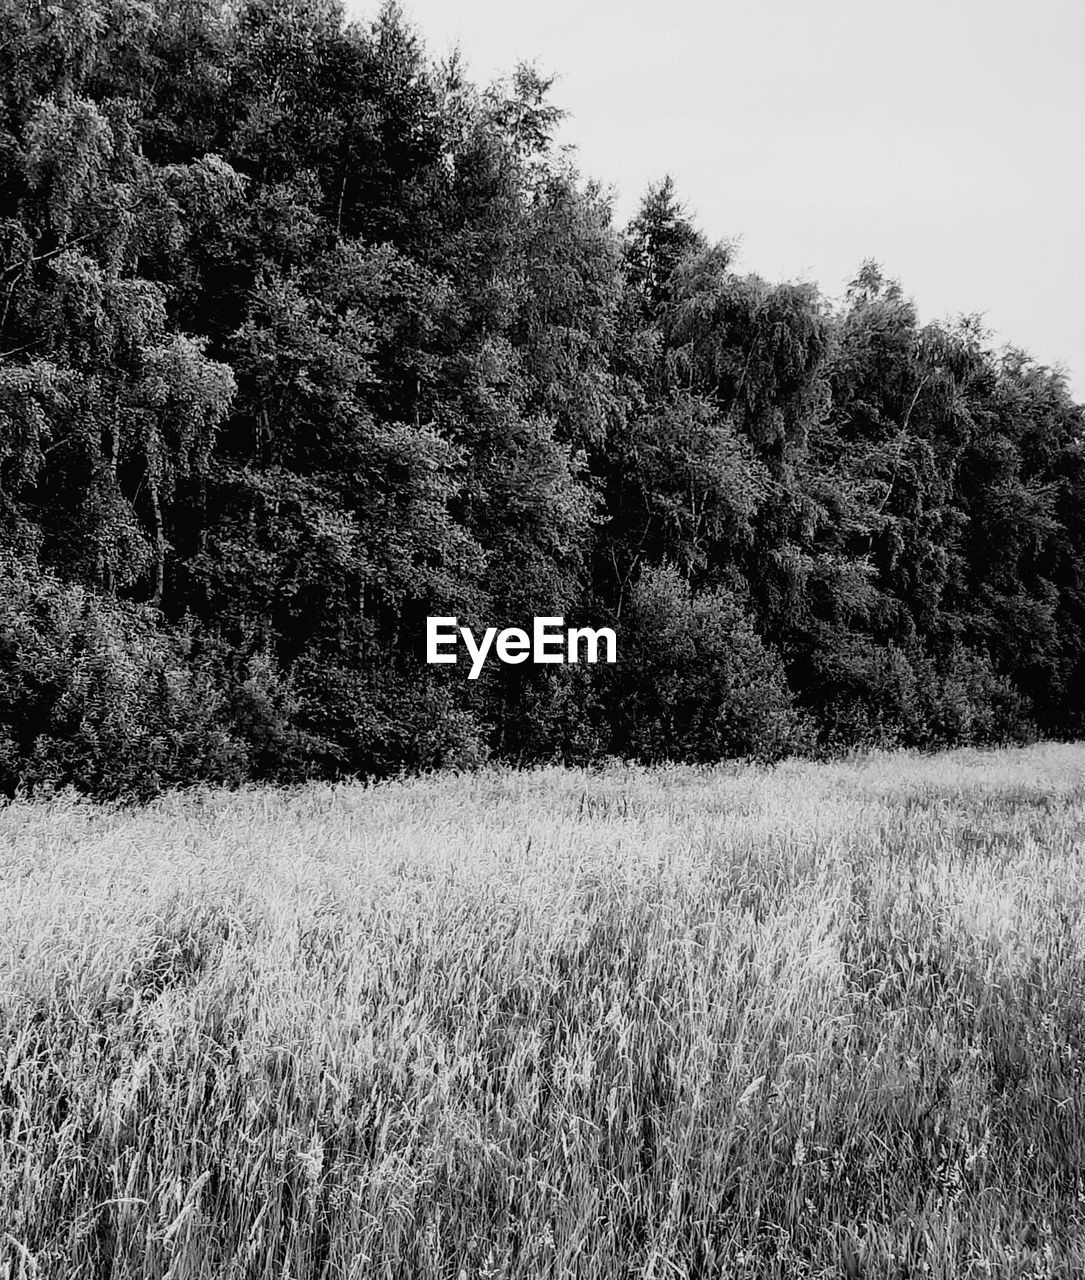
(304, 338)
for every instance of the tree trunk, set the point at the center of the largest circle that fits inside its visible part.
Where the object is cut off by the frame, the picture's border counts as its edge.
(159, 545)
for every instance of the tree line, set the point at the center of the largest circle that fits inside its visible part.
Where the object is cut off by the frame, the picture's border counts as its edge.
(305, 337)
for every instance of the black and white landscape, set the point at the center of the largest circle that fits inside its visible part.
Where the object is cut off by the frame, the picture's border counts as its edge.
(710, 904)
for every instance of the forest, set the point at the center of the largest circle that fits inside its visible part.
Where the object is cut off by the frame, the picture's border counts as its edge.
(305, 337)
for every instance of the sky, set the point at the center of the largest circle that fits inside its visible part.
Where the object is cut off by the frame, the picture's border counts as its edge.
(943, 138)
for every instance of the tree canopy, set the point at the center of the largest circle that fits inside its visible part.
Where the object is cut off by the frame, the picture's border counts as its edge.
(304, 337)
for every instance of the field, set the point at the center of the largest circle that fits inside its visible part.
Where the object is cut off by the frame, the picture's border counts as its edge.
(819, 1020)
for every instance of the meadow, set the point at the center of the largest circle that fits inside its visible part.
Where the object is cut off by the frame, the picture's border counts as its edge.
(819, 1020)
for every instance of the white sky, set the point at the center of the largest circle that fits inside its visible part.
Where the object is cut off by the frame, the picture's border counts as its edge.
(941, 137)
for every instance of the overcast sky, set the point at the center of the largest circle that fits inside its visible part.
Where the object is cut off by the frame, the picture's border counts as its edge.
(941, 137)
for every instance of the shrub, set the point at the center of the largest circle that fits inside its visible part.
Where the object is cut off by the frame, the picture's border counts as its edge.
(872, 695)
(554, 714)
(696, 682)
(377, 721)
(98, 695)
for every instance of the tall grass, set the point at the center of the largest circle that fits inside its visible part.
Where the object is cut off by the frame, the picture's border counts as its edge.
(823, 1020)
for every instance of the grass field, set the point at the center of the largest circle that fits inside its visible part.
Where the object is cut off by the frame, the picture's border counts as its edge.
(822, 1020)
